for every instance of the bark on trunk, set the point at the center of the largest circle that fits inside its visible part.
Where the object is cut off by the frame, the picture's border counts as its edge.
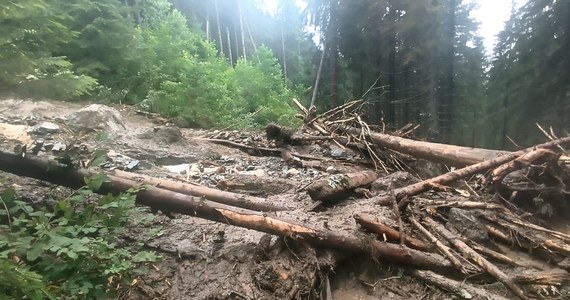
(452, 155)
(173, 202)
(337, 186)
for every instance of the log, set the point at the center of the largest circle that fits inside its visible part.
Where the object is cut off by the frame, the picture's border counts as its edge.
(477, 259)
(229, 198)
(165, 200)
(336, 186)
(454, 286)
(423, 186)
(446, 251)
(451, 155)
(390, 233)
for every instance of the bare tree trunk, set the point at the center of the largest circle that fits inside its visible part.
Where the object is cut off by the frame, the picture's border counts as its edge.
(208, 37)
(319, 71)
(173, 202)
(230, 46)
(284, 55)
(220, 39)
(446, 107)
(241, 29)
(333, 38)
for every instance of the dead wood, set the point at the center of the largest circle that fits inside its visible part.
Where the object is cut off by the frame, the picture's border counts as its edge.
(339, 185)
(229, 198)
(457, 287)
(493, 254)
(397, 214)
(476, 258)
(528, 237)
(389, 233)
(446, 251)
(458, 204)
(287, 136)
(165, 200)
(254, 151)
(451, 155)
(423, 186)
(537, 156)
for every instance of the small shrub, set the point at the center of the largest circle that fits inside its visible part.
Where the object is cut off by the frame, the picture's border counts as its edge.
(73, 246)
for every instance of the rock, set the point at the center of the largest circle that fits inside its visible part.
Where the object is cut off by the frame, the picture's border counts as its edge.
(95, 117)
(257, 173)
(400, 179)
(292, 172)
(59, 146)
(338, 153)
(132, 165)
(466, 223)
(45, 128)
(195, 169)
(162, 134)
(332, 170)
(179, 169)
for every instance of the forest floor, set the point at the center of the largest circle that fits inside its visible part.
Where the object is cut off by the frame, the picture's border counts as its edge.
(210, 260)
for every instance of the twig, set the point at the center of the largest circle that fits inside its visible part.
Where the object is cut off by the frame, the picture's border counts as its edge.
(397, 213)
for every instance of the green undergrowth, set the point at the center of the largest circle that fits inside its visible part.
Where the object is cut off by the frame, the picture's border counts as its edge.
(70, 250)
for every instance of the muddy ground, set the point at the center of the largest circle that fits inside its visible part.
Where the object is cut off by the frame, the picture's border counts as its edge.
(209, 260)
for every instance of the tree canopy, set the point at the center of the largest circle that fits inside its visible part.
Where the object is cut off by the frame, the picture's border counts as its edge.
(220, 62)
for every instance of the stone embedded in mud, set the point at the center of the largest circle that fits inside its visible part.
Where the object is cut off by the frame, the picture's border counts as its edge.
(332, 170)
(400, 179)
(466, 223)
(45, 128)
(337, 153)
(95, 117)
(292, 172)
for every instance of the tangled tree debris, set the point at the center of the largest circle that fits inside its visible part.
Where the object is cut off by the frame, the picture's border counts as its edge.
(460, 230)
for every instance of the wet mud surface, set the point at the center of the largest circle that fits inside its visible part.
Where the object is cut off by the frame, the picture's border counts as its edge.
(209, 260)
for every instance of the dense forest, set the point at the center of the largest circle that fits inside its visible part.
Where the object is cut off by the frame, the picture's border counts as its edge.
(220, 62)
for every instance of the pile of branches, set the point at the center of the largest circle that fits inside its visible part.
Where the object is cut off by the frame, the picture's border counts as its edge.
(539, 174)
(428, 237)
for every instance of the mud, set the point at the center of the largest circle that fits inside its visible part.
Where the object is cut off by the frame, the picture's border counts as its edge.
(209, 260)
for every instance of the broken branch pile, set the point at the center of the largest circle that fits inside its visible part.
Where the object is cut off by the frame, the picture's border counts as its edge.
(466, 239)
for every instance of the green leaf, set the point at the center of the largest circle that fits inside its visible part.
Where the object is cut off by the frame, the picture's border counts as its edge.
(95, 182)
(33, 253)
(7, 196)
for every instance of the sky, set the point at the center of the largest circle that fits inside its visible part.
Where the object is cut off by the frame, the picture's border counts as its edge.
(491, 15)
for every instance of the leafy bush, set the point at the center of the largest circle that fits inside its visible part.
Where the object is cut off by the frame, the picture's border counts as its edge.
(31, 32)
(72, 246)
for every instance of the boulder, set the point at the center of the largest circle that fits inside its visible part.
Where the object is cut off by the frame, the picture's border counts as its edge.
(96, 117)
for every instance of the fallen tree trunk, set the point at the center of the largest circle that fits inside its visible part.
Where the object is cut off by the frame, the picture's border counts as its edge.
(390, 233)
(165, 200)
(452, 155)
(229, 198)
(457, 287)
(476, 258)
(335, 186)
(423, 186)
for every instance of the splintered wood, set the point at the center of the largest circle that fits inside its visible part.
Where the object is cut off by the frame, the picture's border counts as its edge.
(545, 168)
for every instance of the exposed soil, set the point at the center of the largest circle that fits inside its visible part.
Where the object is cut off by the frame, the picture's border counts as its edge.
(209, 260)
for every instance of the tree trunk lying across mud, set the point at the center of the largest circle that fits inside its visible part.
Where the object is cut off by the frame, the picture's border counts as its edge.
(229, 198)
(452, 155)
(165, 200)
(335, 186)
(420, 187)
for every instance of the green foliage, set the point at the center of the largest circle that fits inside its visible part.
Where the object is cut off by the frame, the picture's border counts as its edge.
(530, 76)
(260, 90)
(31, 32)
(73, 246)
(18, 282)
